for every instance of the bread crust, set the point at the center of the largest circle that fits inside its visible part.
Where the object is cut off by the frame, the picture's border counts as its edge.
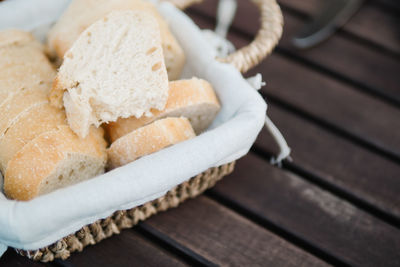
(185, 97)
(14, 37)
(38, 159)
(56, 94)
(149, 139)
(18, 104)
(40, 119)
(23, 66)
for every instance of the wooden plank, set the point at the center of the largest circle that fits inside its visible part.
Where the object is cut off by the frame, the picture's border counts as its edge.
(11, 258)
(227, 239)
(339, 56)
(328, 100)
(314, 215)
(334, 102)
(126, 249)
(389, 5)
(337, 161)
(369, 23)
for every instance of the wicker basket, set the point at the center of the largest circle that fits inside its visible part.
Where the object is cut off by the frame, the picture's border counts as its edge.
(243, 59)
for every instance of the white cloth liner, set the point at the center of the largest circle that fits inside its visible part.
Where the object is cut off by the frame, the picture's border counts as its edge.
(46, 219)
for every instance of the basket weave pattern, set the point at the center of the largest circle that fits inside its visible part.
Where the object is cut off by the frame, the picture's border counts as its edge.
(270, 31)
(101, 229)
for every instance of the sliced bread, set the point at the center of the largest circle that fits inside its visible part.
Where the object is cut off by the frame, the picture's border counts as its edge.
(194, 99)
(20, 103)
(53, 160)
(40, 119)
(149, 139)
(80, 14)
(22, 65)
(12, 37)
(114, 69)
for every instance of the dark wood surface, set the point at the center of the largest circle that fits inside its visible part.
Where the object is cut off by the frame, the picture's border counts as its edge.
(336, 203)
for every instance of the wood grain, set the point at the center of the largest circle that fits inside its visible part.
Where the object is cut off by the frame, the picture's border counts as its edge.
(334, 102)
(369, 23)
(226, 238)
(314, 215)
(369, 119)
(125, 249)
(353, 62)
(337, 161)
(11, 258)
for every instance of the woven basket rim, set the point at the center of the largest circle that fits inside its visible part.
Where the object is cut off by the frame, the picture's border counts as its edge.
(267, 37)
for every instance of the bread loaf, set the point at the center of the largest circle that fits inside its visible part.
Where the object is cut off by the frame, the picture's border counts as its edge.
(194, 99)
(114, 69)
(40, 119)
(19, 104)
(82, 13)
(36, 145)
(53, 160)
(149, 139)
(22, 63)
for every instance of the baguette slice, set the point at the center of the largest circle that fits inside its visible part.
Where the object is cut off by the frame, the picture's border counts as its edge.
(54, 160)
(19, 104)
(80, 14)
(114, 69)
(194, 99)
(149, 139)
(14, 37)
(22, 63)
(40, 119)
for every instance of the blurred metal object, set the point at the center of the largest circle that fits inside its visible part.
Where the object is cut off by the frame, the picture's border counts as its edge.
(333, 15)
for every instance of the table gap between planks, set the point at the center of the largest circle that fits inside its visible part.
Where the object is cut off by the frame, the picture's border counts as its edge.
(336, 203)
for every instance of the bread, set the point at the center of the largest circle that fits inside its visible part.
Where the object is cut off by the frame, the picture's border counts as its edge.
(22, 63)
(19, 104)
(53, 160)
(194, 99)
(36, 145)
(14, 37)
(114, 69)
(40, 119)
(149, 139)
(82, 13)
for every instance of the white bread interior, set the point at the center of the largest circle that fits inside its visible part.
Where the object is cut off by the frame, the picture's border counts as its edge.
(80, 14)
(194, 99)
(114, 69)
(149, 139)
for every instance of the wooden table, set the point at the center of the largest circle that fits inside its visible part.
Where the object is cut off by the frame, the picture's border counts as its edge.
(337, 203)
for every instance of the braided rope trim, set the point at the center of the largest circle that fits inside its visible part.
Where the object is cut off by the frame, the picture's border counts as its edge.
(104, 228)
(267, 37)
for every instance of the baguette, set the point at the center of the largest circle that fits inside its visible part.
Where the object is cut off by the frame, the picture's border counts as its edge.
(38, 151)
(80, 14)
(19, 104)
(22, 63)
(194, 99)
(38, 120)
(53, 160)
(14, 37)
(149, 139)
(114, 69)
